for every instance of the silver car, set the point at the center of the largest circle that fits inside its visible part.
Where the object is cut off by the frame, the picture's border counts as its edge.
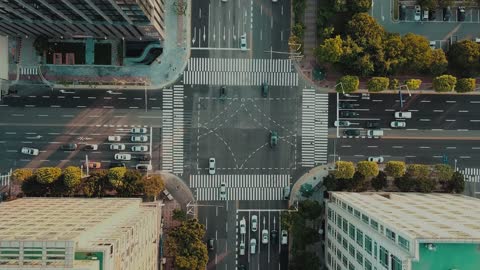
(117, 146)
(139, 148)
(139, 138)
(29, 151)
(138, 130)
(122, 156)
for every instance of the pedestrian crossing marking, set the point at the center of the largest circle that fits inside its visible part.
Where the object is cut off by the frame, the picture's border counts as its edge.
(173, 130)
(471, 174)
(29, 71)
(314, 128)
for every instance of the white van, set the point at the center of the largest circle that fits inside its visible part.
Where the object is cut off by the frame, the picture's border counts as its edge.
(404, 115)
(375, 132)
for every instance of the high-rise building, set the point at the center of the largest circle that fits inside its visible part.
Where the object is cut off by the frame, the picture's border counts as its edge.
(79, 234)
(128, 19)
(402, 231)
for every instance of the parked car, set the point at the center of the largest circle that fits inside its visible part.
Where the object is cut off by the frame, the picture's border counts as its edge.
(372, 124)
(273, 138)
(144, 167)
(352, 132)
(401, 115)
(403, 12)
(223, 191)
(374, 132)
(253, 223)
(29, 151)
(94, 165)
(144, 157)
(264, 236)
(418, 12)
(138, 130)
(284, 237)
(377, 159)
(211, 165)
(139, 148)
(114, 138)
(264, 89)
(223, 91)
(433, 45)
(140, 138)
(433, 15)
(242, 247)
(274, 236)
(210, 243)
(345, 105)
(116, 164)
(253, 245)
(117, 146)
(123, 156)
(348, 114)
(342, 123)
(398, 124)
(461, 14)
(90, 147)
(243, 226)
(425, 14)
(69, 147)
(243, 42)
(447, 13)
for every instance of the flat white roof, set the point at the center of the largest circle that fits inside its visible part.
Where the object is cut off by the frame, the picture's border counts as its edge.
(422, 216)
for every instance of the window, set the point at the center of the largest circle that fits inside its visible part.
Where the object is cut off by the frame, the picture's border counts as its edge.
(329, 259)
(345, 226)
(351, 250)
(339, 238)
(359, 258)
(350, 209)
(368, 265)
(375, 250)
(344, 205)
(339, 221)
(404, 243)
(368, 244)
(345, 261)
(330, 214)
(374, 224)
(356, 213)
(359, 238)
(351, 231)
(339, 254)
(365, 218)
(390, 235)
(345, 244)
(329, 243)
(396, 263)
(351, 267)
(383, 257)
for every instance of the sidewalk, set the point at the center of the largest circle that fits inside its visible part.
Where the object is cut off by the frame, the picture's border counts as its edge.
(314, 177)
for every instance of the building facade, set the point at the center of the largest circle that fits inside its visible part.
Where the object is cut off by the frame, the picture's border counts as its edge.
(402, 231)
(127, 19)
(79, 234)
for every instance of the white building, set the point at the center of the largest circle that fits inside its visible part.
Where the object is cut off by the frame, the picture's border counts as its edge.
(407, 231)
(80, 234)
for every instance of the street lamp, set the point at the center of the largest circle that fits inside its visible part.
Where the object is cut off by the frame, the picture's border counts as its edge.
(338, 97)
(400, 93)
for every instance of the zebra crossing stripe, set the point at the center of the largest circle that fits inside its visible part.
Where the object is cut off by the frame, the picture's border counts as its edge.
(471, 174)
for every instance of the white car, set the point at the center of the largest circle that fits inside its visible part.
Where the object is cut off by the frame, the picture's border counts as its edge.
(117, 146)
(211, 165)
(243, 226)
(144, 167)
(223, 191)
(242, 247)
(139, 148)
(378, 159)
(253, 245)
(284, 237)
(398, 124)
(264, 236)
(29, 151)
(418, 13)
(405, 115)
(243, 42)
(91, 147)
(138, 130)
(140, 138)
(122, 156)
(114, 138)
(433, 45)
(342, 123)
(254, 223)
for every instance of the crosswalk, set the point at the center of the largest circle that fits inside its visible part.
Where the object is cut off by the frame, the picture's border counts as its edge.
(173, 130)
(29, 71)
(234, 71)
(314, 128)
(240, 187)
(471, 174)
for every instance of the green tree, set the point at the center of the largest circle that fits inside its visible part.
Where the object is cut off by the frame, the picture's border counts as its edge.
(30, 187)
(298, 29)
(116, 175)
(185, 242)
(377, 84)
(430, 4)
(47, 175)
(465, 85)
(179, 214)
(348, 84)
(330, 182)
(351, 52)
(330, 51)
(456, 184)
(363, 66)
(418, 170)
(464, 57)
(72, 176)
(405, 183)
(425, 184)
(443, 172)
(365, 30)
(368, 168)
(359, 5)
(380, 181)
(417, 53)
(394, 83)
(152, 185)
(439, 62)
(393, 48)
(20, 175)
(344, 169)
(358, 182)
(180, 7)
(97, 184)
(413, 84)
(444, 83)
(131, 184)
(41, 44)
(445, 3)
(395, 168)
(305, 260)
(310, 209)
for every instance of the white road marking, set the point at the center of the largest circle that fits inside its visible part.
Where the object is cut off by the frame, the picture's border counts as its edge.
(476, 148)
(81, 106)
(133, 107)
(42, 115)
(425, 101)
(108, 107)
(119, 116)
(410, 156)
(413, 110)
(32, 96)
(53, 133)
(437, 110)
(462, 129)
(122, 98)
(61, 97)
(451, 101)
(451, 147)
(76, 97)
(437, 129)
(107, 97)
(94, 116)
(11, 133)
(17, 114)
(397, 146)
(389, 110)
(425, 120)
(157, 108)
(3, 105)
(346, 146)
(450, 120)
(55, 106)
(464, 156)
(474, 120)
(475, 101)
(12, 151)
(26, 142)
(29, 106)
(372, 146)
(424, 147)
(464, 111)
(412, 129)
(138, 98)
(91, 97)
(377, 100)
(152, 117)
(67, 115)
(45, 96)
(152, 98)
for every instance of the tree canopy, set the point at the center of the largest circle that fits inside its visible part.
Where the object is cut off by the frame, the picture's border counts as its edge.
(395, 168)
(368, 168)
(47, 175)
(152, 185)
(344, 169)
(22, 174)
(185, 242)
(464, 56)
(72, 176)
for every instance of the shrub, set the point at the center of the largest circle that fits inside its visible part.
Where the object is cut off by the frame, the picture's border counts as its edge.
(418, 170)
(413, 84)
(465, 85)
(395, 168)
(394, 83)
(48, 175)
(444, 83)
(344, 169)
(116, 175)
(377, 84)
(368, 168)
(72, 176)
(350, 84)
(298, 30)
(380, 181)
(20, 175)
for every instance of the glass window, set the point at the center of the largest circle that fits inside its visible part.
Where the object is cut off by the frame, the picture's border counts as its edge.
(339, 254)
(390, 234)
(351, 250)
(351, 267)
(339, 221)
(330, 214)
(374, 224)
(345, 244)
(345, 261)
(344, 205)
(368, 265)
(365, 218)
(339, 238)
(404, 243)
(368, 244)
(345, 226)
(375, 249)
(396, 263)
(359, 237)
(329, 259)
(356, 213)
(351, 231)
(359, 258)
(350, 209)
(383, 257)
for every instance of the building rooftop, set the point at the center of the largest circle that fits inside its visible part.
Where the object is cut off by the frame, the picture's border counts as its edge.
(435, 216)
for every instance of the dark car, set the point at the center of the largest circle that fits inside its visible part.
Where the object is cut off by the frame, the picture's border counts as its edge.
(372, 124)
(264, 89)
(348, 114)
(116, 164)
(242, 267)
(274, 236)
(273, 138)
(461, 14)
(90, 147)
(210, 243)
(447, 13)
(352, 132)
(69, 147)
(433, 15)
(346, 105)
(403, 12)
(223, 91)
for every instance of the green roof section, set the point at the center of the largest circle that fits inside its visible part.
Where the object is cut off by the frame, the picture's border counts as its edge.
(449, 257)
(94, 256)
